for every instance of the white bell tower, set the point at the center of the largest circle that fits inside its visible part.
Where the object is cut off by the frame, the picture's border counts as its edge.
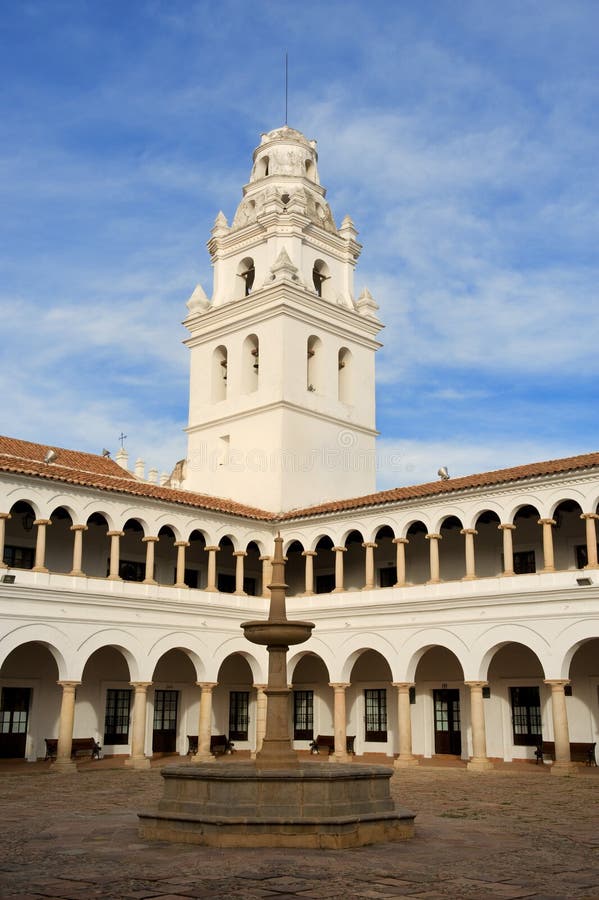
(282, 396)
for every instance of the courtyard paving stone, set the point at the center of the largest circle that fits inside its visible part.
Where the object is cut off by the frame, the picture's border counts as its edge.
(516, 832)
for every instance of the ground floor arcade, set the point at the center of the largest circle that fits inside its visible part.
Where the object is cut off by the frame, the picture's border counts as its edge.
(433, 710)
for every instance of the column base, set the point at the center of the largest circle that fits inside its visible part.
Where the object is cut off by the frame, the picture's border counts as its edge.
(469, 578)
(591, 566)
(433, 581)
(138, 762)
(181, 584)
(212, 588)
(77, 572)
(39, 569)
(546, 570)
(338, 591)
(507, 574)
(403, 762)
(63, 767)
(400, 584)
(114, 578)
(368, 587)
(149, 581)
(340, 758)
(480, 764)
(203, 758)
(564, 768)
(239, 594)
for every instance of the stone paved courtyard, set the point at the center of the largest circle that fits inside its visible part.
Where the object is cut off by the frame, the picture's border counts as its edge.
(517, 832)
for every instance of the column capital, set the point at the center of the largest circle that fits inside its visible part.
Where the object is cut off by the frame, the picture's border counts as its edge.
(339, 685)
(546, 522)
(468, 531)
(259, 687)
(582, 515)
(339, 549)
(150, 539)
(403, 685)
(78, 528)
(42, 521)
(474, 685)
(400, 541)
(141, 686)
(111, 534)
(309, 553)
(506, 526)
(367, 544)
(68, 684)
(181, 544)
(264, 558)
(207, 685)
(556, 683)
(5, 515)
(239, 553)
(212, 547)
(432, 536)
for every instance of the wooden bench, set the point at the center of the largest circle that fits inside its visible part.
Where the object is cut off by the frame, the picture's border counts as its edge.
(583, 751)
(327, 741)
(219, 744)
(79, 745)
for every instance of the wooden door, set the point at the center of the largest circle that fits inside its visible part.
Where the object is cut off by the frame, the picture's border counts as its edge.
(164, 738)
(448, 729)
(14, 713)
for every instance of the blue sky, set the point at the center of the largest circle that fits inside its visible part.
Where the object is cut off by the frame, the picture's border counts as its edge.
(462, 138)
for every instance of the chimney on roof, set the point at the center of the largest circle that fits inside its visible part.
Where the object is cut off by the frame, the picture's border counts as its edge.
(122, 458)
(163, 478)
(153, 476)
(140, 468)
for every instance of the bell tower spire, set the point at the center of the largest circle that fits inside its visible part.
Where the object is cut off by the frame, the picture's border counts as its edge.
(282, 356)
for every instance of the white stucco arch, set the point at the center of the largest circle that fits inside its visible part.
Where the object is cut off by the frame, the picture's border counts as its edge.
(124, 641)
(315, 647)
(61, 501)
(50, 637)
(355, 645)
(498, 636)
(166, 520)
(473, 517)
(93, 509)
(24, 495)
(526, 500)
(413, 520)
(449, 512)
(237, 644)
(135, 513)
(385, 522)
(563, 497)
(569, 641)
(191, 645)
(291, 539)
(411, 652)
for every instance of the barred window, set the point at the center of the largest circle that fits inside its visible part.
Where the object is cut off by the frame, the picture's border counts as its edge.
(116, 719)
(376, 714)
(239, 702)
(526, 715)
(303, 715)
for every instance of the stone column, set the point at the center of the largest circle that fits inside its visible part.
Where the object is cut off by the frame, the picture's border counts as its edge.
(261, 704)
(205, 722)
(561, 734)
(266, 574)
(309, 575)
(211, 583)
(138, 758)
(77, 549)
(180, 576)
(370, 547)
(548, 561)
(340, 727)
(400, 560)
(404, 724)
(508, 551)
(339, 551)
(479, 761)
(63, 762)
(469, 551)
(40, 545)
(150, 542)
(3, 518)
(589, 521)
(239, 555)
(115, 537)
(434, 557)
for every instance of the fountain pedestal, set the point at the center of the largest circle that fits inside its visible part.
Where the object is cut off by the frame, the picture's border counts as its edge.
(275, 801)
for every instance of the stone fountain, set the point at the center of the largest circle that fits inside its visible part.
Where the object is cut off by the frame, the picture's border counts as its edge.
(276, 800)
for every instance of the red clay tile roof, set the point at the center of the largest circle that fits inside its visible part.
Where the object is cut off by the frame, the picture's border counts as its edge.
(90, 470)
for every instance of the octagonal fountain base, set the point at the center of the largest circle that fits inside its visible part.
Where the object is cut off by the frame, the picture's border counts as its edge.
(329, 806)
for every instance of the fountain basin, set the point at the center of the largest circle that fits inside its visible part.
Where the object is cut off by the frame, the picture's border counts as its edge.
(331, 806)
(277, 633)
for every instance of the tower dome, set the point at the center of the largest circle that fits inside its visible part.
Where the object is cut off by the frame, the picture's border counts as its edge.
(285, 169)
